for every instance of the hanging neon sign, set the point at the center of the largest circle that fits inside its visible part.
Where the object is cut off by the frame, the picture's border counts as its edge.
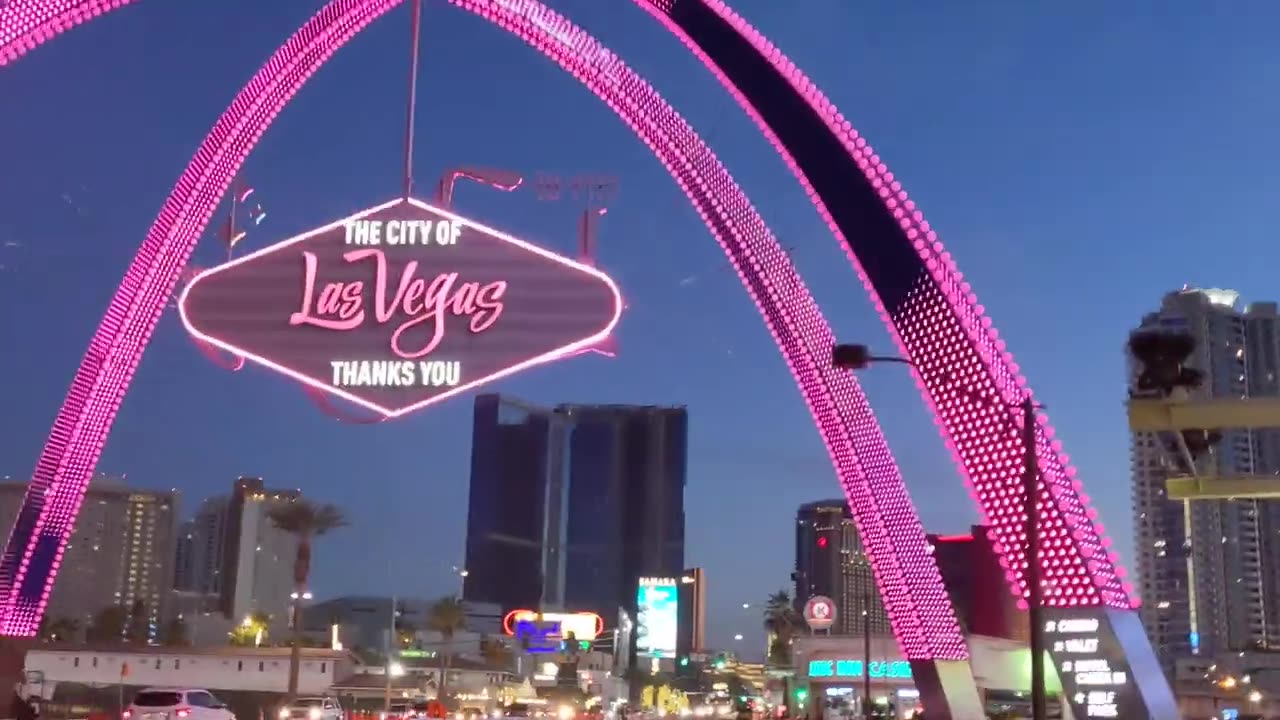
(401, 306)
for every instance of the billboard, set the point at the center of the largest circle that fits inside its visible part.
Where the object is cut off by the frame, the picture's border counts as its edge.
(543, 632)
(401, 306)
(657, 617)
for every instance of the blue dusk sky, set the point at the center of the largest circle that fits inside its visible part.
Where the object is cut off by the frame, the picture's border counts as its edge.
(1078, 163)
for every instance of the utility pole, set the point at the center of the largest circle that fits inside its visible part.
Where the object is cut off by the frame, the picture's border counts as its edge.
(866, 654)
(391, 643)
(1035, 604)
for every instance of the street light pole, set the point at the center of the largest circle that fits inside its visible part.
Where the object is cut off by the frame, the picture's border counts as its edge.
(866, 655)
(1035, 604)
(391, 644)
(857, 357)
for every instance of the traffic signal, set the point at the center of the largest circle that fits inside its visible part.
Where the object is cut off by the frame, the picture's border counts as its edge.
(684, 661)
(720, 662)
(802, 694)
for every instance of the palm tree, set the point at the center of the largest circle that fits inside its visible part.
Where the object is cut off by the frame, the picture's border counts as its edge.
(496, 654)
(138, 629)
(305, 521)
(252, 631)
(175, 633)
(782, 623)
(108, 625)
(59, 629)
(446, 616)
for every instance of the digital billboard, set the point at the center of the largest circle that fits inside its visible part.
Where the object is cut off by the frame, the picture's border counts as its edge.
(657, 617)
(400, 306)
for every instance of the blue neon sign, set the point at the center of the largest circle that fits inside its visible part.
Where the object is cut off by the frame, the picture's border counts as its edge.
(536, 637)
(887, 670)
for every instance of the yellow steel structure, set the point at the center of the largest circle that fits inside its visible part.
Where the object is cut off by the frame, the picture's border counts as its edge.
(1166, 415)
(1235, 487)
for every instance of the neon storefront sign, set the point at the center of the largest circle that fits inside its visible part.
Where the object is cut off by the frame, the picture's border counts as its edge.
(882, 669)
(544, 632)
(401, 306)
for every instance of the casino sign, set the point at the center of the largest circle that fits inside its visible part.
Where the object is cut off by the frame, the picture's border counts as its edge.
(401, 306)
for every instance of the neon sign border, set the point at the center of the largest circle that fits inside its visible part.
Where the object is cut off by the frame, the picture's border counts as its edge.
(512, 618)
(559, 353)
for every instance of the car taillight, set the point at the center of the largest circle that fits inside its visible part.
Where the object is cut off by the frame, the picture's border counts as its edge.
(126, 714)
(184, 712)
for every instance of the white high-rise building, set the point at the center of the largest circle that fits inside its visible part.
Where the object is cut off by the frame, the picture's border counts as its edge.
(1209, 571)
(257, 557)
(235, 561)
(120, 553)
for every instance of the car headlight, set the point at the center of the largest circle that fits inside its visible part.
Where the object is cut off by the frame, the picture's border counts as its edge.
(284, 713)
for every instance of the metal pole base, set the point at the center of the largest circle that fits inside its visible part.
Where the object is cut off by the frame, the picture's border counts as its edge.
(948, 690)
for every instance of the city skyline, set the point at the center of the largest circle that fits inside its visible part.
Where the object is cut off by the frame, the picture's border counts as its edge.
(739, 468)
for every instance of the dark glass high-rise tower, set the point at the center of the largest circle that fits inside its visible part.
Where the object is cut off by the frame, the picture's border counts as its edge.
(625, 509)
(513, 525)
(831, 561)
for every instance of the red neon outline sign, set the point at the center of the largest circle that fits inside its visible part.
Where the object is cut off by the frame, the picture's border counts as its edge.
(516, 616)
(351, 395)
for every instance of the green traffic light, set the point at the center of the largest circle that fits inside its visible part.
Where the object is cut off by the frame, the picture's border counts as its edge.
(684, 661)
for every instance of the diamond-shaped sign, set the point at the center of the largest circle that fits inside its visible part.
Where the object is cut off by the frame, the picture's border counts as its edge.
(400, 306)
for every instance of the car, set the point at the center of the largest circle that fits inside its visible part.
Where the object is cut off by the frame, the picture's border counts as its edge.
(524, 711)
(177, 704)
(312, 708)
(397, 711)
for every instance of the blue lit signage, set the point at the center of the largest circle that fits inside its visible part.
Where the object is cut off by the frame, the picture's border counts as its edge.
(536, 637)
(888, 670)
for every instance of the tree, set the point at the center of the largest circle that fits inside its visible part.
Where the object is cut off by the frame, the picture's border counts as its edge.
(446, 616)
(782, 622)
(252, 631)
(305, 521)
(138, 630)
(59, 629)
(496, 654)
(108, 625)
(406, 635)
(174, 633)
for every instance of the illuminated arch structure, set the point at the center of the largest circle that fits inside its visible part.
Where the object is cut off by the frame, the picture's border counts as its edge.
(922, 297)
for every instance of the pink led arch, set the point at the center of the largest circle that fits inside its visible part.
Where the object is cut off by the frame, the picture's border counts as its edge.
(911, 586)
(939, 325)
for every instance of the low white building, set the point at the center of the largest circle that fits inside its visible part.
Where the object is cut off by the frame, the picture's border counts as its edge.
(213, 668)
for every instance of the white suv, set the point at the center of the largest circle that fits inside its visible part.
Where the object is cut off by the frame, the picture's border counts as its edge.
(312, 708)
(177, 704)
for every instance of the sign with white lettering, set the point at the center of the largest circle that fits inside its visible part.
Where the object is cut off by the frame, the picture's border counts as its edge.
(400, 306)
(1091, 665)
(820, 612)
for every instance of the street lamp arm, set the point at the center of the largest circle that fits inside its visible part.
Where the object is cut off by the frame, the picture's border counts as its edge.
(891, 359)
